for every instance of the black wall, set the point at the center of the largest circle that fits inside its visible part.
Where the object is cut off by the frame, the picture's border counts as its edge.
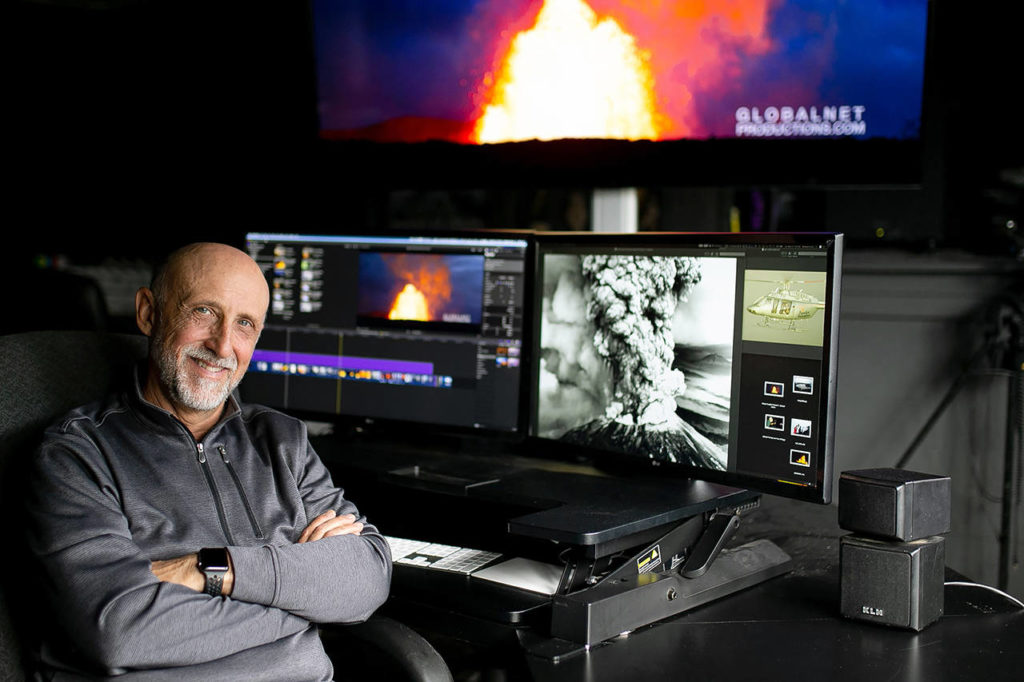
(175, 120)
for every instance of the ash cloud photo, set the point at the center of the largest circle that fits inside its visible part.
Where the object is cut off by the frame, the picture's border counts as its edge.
(636, 355)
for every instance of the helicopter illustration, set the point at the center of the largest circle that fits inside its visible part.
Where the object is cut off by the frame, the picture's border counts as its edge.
(785, 304)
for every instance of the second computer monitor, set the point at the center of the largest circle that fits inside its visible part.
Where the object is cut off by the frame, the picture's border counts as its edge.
(714, 354)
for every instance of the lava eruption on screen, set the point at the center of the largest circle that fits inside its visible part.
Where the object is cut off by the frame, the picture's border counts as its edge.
(573, 74)
(421, 287)
(492, 71)
(410, 304)
(604, 69)
(427, 289)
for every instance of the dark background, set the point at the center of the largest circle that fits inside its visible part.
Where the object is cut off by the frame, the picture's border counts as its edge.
(167, 121)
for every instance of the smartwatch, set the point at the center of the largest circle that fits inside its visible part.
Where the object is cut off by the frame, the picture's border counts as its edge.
(213, 563)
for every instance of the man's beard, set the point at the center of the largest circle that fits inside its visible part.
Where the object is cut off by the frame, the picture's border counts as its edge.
(194, 392)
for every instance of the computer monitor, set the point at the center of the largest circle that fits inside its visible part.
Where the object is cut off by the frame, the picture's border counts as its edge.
(712, 353)
(398, 328)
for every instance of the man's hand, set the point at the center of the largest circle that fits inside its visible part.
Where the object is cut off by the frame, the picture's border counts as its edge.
(184, 570)
(329, 524)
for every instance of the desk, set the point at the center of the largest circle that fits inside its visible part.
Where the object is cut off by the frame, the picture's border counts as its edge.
(788, 628)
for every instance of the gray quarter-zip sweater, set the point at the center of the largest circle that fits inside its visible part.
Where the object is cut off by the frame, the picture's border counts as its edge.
(120, 483)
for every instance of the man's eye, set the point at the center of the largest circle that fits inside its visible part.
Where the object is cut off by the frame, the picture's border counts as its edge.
(203, 310)
(246, 323)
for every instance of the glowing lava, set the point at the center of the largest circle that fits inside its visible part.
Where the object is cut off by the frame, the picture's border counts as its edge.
(572, 75)
(410, 304)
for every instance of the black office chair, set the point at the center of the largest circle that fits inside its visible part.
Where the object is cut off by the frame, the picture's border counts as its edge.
(54, 299)
(45, 374)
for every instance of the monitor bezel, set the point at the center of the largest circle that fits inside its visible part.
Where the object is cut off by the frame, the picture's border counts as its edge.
(617, 463)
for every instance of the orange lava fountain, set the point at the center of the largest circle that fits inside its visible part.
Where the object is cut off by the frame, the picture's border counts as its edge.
(571, 75)
(427, 287)
(410, 304)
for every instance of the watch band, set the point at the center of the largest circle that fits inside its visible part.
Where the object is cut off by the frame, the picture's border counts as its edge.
(213, 562)
(214, 584)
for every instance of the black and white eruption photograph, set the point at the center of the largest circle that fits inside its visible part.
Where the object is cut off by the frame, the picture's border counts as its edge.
(636, 355)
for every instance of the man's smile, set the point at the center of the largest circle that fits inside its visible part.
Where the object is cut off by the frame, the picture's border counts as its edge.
(216, 369)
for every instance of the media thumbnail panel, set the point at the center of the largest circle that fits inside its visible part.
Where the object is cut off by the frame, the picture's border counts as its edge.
(779, 418)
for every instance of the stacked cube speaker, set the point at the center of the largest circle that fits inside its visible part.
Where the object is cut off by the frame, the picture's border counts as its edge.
(893, 564)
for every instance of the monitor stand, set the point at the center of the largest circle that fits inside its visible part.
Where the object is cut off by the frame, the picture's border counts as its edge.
(637, 549)
(601, 598)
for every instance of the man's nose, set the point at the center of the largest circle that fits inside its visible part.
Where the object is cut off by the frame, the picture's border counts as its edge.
(220, 339)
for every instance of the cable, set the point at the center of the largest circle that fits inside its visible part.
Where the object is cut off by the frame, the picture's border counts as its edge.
(1012, 332)
(977, 476)
(1008, 311)
(1010, 597)
(943, 404)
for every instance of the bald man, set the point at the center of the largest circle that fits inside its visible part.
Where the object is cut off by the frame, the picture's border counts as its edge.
(180, 532)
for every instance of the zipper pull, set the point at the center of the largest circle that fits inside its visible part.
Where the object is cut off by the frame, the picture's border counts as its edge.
(223, 453)
(202, 453)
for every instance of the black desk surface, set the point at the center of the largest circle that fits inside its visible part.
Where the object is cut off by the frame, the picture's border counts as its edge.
(787, 628)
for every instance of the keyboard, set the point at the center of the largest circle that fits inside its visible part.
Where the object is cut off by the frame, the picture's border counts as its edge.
(438, 557)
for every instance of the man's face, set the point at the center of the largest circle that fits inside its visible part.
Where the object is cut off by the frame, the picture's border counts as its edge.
(206, 332)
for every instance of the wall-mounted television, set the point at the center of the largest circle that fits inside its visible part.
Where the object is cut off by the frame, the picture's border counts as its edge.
(609, 92)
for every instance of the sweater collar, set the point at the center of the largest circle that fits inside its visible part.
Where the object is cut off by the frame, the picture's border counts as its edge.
(161, 419)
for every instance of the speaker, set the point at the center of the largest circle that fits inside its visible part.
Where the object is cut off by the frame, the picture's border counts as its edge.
(892, 583)
(894, 503)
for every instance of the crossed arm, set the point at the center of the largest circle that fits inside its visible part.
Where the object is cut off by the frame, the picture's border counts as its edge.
(184, 570)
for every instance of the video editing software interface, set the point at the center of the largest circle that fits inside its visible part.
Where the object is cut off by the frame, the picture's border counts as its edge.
(710, 351)
(414, 328)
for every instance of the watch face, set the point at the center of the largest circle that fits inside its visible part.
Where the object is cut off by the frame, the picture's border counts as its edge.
(213, 559)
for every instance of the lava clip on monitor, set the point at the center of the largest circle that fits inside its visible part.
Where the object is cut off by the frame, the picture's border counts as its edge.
(710, 353)
(403, 328)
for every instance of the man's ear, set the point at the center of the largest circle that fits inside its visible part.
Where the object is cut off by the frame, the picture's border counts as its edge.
(145, 310)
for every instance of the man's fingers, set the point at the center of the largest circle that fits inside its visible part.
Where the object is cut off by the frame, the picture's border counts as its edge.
(329, 524)
(351, 529)
(341, 525)
(308, 530)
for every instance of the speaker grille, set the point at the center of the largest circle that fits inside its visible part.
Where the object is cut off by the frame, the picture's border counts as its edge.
(876, 584)
(867, 508)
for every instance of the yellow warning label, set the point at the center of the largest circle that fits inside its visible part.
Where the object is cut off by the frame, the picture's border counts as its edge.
(649, 560)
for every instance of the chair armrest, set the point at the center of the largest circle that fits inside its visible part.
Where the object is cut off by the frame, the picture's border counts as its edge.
(405, 649)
